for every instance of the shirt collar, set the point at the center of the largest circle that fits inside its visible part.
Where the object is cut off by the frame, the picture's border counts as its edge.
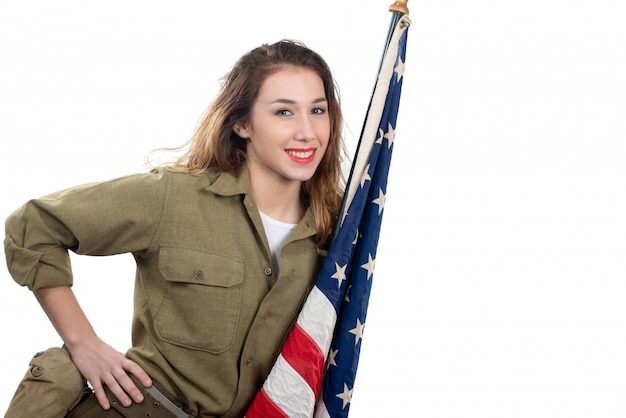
(230, 184)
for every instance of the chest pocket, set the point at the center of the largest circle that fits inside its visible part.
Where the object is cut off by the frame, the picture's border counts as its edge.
(202, 301)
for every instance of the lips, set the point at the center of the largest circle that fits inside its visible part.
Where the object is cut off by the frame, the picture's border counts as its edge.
(301, 156)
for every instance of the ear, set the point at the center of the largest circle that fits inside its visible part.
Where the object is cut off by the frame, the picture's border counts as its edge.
(242, 131)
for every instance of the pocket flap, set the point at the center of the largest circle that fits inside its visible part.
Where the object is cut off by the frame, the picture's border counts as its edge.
(199, 267)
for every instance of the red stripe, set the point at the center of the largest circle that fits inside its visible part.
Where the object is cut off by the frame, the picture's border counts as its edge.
(264, 407)
(303, 354)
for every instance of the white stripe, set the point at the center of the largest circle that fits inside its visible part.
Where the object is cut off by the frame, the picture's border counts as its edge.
(291, 393)
(320, 410)
(318, 318)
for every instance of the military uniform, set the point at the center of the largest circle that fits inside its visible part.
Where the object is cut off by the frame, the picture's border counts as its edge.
(210, 317)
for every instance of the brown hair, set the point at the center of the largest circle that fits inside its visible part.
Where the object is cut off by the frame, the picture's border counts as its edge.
(216, 145)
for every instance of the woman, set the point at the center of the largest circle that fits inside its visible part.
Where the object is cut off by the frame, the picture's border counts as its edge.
(228, 241)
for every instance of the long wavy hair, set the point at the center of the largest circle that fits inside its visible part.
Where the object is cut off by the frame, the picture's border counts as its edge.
(216, 145)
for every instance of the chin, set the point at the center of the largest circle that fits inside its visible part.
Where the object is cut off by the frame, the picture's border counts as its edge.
(302, 176)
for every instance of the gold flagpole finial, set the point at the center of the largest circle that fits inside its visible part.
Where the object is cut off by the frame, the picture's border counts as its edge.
(399, 6)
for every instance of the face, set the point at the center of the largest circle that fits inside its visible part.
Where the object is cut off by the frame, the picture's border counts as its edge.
(289, 127)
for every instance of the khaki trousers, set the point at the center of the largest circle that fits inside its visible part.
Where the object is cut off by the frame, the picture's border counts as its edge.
(53, 387)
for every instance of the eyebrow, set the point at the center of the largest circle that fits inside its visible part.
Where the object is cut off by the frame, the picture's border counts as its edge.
(289, 101)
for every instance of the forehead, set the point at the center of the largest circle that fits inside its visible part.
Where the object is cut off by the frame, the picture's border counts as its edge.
(292, 83)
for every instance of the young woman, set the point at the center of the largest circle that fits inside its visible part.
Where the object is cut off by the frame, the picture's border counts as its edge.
(228, 241)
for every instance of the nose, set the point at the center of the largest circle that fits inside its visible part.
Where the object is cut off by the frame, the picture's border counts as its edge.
(305, 129)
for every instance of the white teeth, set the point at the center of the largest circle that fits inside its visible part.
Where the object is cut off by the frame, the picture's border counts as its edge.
(300, 154)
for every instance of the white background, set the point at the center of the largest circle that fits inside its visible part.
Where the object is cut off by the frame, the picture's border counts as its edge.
(500, 283)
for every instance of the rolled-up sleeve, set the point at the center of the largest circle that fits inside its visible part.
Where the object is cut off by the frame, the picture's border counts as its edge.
(111, 217)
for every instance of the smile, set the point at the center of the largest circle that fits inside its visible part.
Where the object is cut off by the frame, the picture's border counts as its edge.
(301, 156)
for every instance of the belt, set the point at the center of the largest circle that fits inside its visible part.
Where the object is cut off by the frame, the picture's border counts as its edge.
(155, 405)
(161, 399)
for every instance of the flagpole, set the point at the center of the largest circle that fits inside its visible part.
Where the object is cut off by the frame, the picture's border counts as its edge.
(399, 9)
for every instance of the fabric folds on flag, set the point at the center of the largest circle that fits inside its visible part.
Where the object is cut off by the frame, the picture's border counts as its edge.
(314, 374)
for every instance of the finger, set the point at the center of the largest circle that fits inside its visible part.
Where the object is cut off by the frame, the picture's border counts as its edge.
(129, 387)
(101, 396)
(136, 370)
(114, 386)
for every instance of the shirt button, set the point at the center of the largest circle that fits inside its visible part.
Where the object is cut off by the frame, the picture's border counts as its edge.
(268, 271)
(36, 371)
(266, 315)
(249, 360)
(198, 275)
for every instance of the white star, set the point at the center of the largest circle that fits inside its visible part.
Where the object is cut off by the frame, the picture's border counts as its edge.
(331, 358)
(390, 135)
(369, 266)
(380, 201)
(357, 331)
(340, 274)
(399, 69)
(346, 396)
(366, 176)
(381, 135)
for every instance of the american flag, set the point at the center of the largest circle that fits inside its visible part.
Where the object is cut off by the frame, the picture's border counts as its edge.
(314, 374)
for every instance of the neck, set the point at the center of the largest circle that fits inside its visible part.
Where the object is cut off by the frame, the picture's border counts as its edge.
(278, 200)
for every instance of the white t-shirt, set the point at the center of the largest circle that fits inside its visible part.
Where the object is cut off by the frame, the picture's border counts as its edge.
(277, 233)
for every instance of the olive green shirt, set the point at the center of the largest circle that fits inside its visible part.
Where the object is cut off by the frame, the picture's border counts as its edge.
(209, 316)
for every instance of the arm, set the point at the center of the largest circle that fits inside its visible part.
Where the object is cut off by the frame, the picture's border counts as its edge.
(98, 362)
(111, 217)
